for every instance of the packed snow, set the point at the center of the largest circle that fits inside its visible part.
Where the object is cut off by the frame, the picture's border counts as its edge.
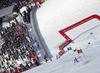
(55, 15)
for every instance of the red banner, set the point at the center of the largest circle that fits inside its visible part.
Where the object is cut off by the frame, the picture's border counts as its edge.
(62, 32)
(61, 52)
(64, 45)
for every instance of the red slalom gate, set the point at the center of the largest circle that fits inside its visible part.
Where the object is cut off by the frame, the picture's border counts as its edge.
(68, 39)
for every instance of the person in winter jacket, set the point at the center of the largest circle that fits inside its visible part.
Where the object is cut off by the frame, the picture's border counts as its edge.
(33, 56)
(45, 58)
(76, 60)
(37, 63)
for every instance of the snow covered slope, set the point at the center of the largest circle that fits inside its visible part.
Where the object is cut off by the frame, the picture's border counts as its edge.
(66, 63)
(55, 15)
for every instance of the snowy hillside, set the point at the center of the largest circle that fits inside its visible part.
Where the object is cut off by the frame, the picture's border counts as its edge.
(55, 15)
(66, 63)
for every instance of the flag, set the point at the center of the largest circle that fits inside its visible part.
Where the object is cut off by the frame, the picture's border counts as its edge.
(79, 51)
(69, 48)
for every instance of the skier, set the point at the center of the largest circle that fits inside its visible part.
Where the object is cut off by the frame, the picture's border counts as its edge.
(76, 60)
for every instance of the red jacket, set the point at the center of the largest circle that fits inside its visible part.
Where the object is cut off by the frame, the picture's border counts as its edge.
(33, 56)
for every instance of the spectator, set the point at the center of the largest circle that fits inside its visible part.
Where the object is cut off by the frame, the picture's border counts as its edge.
(45, 58)
(16, 47)
(36, 63)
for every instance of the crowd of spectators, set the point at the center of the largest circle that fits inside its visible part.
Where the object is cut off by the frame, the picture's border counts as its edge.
(16, 51)
(17, 3)
(16, 48)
